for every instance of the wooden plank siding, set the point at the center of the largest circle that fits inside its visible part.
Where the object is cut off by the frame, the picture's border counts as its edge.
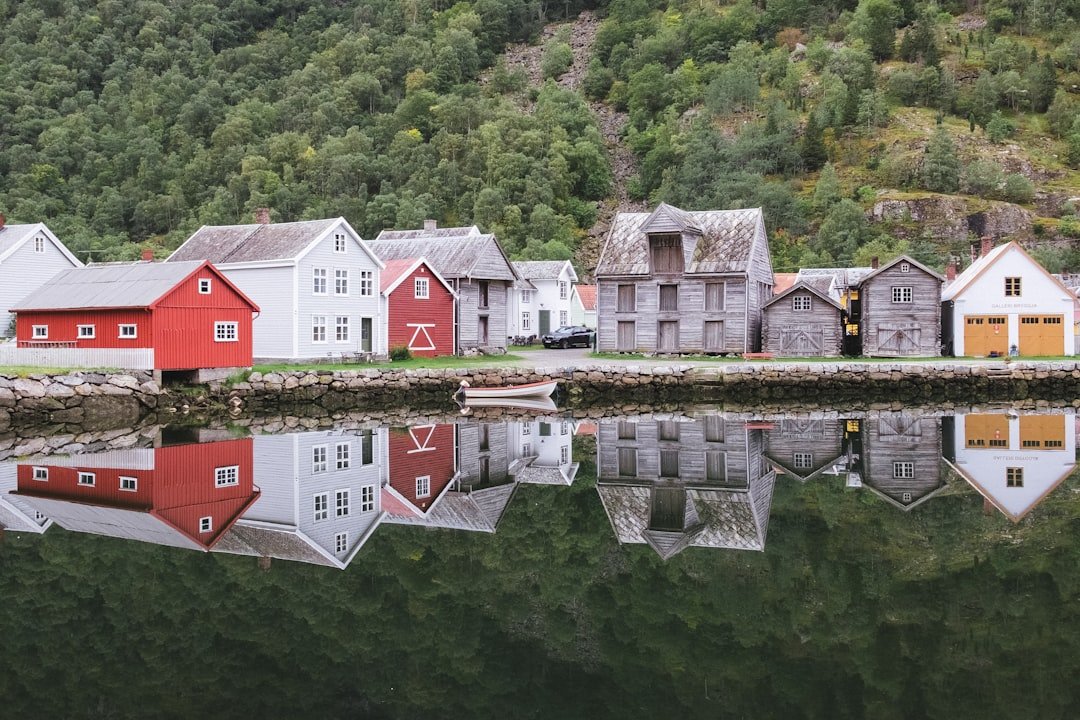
(901, 329)
(470, 312)
(788, 332)
(818, 442)
(901, 438)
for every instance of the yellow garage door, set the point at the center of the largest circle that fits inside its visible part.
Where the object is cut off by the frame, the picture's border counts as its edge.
(984, 432)
(986, 334)
(1043, 432)
(1042, 335)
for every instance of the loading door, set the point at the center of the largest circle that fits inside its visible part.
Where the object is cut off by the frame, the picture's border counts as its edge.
(1043, 432)
(1042, 335)
(986, 334)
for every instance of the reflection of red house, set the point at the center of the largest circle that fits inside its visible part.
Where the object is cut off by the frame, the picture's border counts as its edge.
(186, 315)
(183, 495)
(422, 467)
(419, 306)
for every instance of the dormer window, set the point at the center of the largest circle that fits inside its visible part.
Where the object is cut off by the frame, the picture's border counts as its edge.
(667, 254)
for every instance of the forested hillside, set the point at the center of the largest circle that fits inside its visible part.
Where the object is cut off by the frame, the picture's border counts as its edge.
(863, 128)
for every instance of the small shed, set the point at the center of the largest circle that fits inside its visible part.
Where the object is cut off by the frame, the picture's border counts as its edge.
(803, 321)
(419, 307)
(147, 316)
(900, 310)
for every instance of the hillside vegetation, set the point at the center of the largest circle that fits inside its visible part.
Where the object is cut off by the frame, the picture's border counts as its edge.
(862, 128)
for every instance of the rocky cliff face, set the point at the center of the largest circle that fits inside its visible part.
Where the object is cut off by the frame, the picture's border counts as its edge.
(951, 218)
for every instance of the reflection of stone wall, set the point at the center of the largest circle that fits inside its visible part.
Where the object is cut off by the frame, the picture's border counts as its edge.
(80, 398)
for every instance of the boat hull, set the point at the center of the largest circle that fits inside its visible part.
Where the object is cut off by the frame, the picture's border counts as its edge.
(530, 390)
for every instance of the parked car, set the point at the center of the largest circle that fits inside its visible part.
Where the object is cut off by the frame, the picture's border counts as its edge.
(569, 335)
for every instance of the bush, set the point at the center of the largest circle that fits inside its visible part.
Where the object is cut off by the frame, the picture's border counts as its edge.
(400, 353)
(983, 178)
(558, 57)
(1018, 189)
(999, 128)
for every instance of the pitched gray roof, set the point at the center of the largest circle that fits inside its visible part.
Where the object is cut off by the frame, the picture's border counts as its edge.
(462, 256)
(479, 510)
(421, 233)
(108, 286)
(820, 286)
(264, 542)
(251, 243)
(843, 277)
(725, 239)
(539, 269)
(12, 235)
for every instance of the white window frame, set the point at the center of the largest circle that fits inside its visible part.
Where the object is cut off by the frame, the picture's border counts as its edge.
(39, 244)
(318, 329)
(367, 283)
(564, 454)
(343, 455)
(564, 428)
(905, 267)
(41, 474)
(320, 506)
(342, 502)
(226, 331)
(903, 294)
(341, 283)
(319, 279)
(340, 243)
(423, 486)
(40, 332)
(132, 481)
(526, 297)
(802, 460)
(341, 542)
(204, 286)
(564, 289)
(206, 524)
(342, 328)
(526, 449)
(86, 332)
(367, 498)
(319, 459)
(801, 303)
(903, 470)
(134, 334)
(564, 318)
(421, 288)
(526, 320)
(227, 476)
(86, 479)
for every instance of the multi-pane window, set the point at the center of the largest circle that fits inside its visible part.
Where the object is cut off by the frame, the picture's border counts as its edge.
(343, 455)
(225, 331)
(801, 302)
(318, 459)
(341, 282)
(564, 318)
(227, 476)
(526, 449)
(367, 283)
(564, 428)
(564, 290)
(905, 267)
(87, 479)
(1012, 287)
(322, 506)
(318, 281)
(526, 429)
(1014, 477)
(318, 328)
(367, 498)
(129, 331)
(803, 461)
(204, 286)
(903, 470)
(41, 332)
(902, 294)
(41, 473)
(341, 503)
(128, 483)
(341, 542)
(423, 486)
(421, 288)
(206, 524)
(564, 455)
(339, 243)
(367, 447)
(526, 297)
(341, 328)
(627, 299)
(86, 331)
(39, 244)
(526, 321)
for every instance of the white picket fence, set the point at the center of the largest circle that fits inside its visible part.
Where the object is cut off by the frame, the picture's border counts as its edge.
(119, 358)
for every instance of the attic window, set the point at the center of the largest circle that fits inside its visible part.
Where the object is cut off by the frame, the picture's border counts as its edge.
(339, 243)
(206, 524)
(1014, 477)
(1012, 287)
(801, 302)
(667, 254)
(905, 267)
(39, 244)
(803, 461)
(204, 286)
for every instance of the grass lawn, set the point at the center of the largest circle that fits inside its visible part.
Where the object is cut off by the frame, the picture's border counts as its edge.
(27, 370)
(437, 363)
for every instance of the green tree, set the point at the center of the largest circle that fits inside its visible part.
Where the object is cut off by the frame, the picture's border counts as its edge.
(874, 22)
(827, 189)
(1018, 189)
(1041, 80)
(999, 128)
(558, 56)
(941, 167)
(812, 146)
(842, 231)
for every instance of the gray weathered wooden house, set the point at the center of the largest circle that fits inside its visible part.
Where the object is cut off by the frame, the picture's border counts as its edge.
(673, 484)
(675, 281)
(804, 320)
(900, 458)
(805, 448)
(900, 310)
(474, 264)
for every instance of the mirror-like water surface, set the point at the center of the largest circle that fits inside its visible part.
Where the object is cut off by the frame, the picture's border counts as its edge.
(885, 565)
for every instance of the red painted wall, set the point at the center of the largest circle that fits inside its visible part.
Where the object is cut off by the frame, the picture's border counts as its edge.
(404, 308)
(421, 450)
(63, 485)
(63, 327)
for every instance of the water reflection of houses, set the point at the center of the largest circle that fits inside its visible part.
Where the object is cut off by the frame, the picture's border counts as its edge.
(1013, 461)
(546, 451)
(186, 495)
(805, 448)
(675, 484)
(898, 457)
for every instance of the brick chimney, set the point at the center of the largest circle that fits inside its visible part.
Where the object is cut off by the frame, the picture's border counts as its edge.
(987, 244)
(874, 263)
(262, 215)
(3, 219)
(950, 270)
(430, 225)
(148, 255)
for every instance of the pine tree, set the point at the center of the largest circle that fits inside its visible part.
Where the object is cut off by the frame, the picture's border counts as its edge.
(827, 190)
(941, 167)
(812, 147)
(1042, 82)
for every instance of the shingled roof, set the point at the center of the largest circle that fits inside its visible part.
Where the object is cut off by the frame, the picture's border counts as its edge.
(459, 256)
(541, 269)
(726, 239)
(432, 233)
(123, 285)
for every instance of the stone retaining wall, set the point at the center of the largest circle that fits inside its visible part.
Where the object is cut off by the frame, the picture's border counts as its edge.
(80, 398)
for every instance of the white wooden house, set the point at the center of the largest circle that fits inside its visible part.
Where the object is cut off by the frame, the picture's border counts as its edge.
(583, 306)
(548, 304)
(1007, 303)
(15, 514)
(29, 256)
(546, 453)
(316, 283)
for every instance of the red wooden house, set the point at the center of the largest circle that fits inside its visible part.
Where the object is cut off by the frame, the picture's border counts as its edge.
(419, 307)
(151, 316)
(183, 496)
(422, 466)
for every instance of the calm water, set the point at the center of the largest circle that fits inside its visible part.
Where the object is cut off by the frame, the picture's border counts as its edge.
(885, 566)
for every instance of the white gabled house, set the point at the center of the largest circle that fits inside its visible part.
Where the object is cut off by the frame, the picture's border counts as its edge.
(1007, 303)
(29, 256)
(548, 303)
(316, 283)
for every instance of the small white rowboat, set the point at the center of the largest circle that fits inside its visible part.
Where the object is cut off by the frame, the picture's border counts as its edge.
(529, 390)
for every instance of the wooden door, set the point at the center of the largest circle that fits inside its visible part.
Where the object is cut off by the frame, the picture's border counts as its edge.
(898, 339)
(1042, 335)
(714, 335)
(669, 463)
(802, 342)
(667, 336)
(1042, 432)
(626, 341)
(365, 334)
(545, 322)
(715, 466)
(482, 329)
(627, 462)
(984, 334)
